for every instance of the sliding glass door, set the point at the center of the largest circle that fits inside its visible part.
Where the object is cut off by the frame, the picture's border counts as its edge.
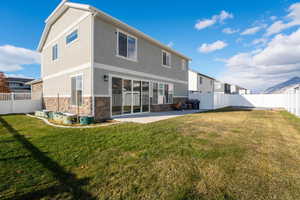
(116, 96)
(137, 96)
(129, 96)
(145, 96)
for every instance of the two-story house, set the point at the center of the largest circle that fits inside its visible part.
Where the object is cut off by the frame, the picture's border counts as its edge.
(95, 64)
(200, 83)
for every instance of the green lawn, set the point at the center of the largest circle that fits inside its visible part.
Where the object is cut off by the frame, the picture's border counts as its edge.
(229, 155)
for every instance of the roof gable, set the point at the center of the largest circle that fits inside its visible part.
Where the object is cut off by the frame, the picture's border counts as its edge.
(65, 5)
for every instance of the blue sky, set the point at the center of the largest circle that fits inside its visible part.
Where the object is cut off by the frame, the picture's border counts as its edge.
(234, 57)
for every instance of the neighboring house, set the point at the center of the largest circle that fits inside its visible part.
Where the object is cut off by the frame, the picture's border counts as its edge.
(200, 83)
(219, 87)
(96, 64)
(18, 85)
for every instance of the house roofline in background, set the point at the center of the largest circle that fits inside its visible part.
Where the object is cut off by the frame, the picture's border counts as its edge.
(203, 75)
(34, 82)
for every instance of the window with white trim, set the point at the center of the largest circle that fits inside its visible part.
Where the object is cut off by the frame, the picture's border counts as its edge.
(183, 64)
(76, 90)
(127, 46)
(166, 59)
(55, 52)
(72, 37)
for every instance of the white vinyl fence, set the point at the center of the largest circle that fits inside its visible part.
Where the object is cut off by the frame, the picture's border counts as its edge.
(288, 101)
(13, 103)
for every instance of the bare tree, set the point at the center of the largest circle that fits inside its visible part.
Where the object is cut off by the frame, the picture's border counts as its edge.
(3, 84)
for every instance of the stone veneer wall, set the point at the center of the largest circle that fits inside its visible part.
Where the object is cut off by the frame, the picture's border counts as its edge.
(63, 104)
(102, 108)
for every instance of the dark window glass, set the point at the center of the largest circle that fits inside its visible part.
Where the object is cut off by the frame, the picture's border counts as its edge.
(164, 58)
(122, 44)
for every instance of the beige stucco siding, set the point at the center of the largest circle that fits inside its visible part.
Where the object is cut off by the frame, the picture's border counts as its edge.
(74, 54)
(69, 17)
(149, 55)
(62, 84)
(103, 87)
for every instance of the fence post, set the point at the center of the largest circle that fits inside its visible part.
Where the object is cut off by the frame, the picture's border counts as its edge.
(12, 102)
(297, 98)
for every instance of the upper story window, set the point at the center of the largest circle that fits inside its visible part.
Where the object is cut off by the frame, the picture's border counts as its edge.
(55, 52)
(183, 64)
(72, 37)
(127, 46)
(166, 59)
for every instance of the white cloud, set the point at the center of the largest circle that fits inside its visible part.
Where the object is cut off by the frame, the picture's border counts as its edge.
(260, 41)
(230, 30)
(251, 31)
(293, 18)
(207, 48)
(170, 44)
(204, 23)
(12, 58)
(262, 68)
(225, 15)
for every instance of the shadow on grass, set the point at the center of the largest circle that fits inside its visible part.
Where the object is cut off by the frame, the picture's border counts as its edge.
(68, 182)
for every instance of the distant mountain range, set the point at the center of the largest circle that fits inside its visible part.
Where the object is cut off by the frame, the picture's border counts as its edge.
(281, 87)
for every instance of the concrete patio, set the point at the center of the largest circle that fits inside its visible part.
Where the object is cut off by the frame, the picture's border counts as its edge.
(145, 118)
